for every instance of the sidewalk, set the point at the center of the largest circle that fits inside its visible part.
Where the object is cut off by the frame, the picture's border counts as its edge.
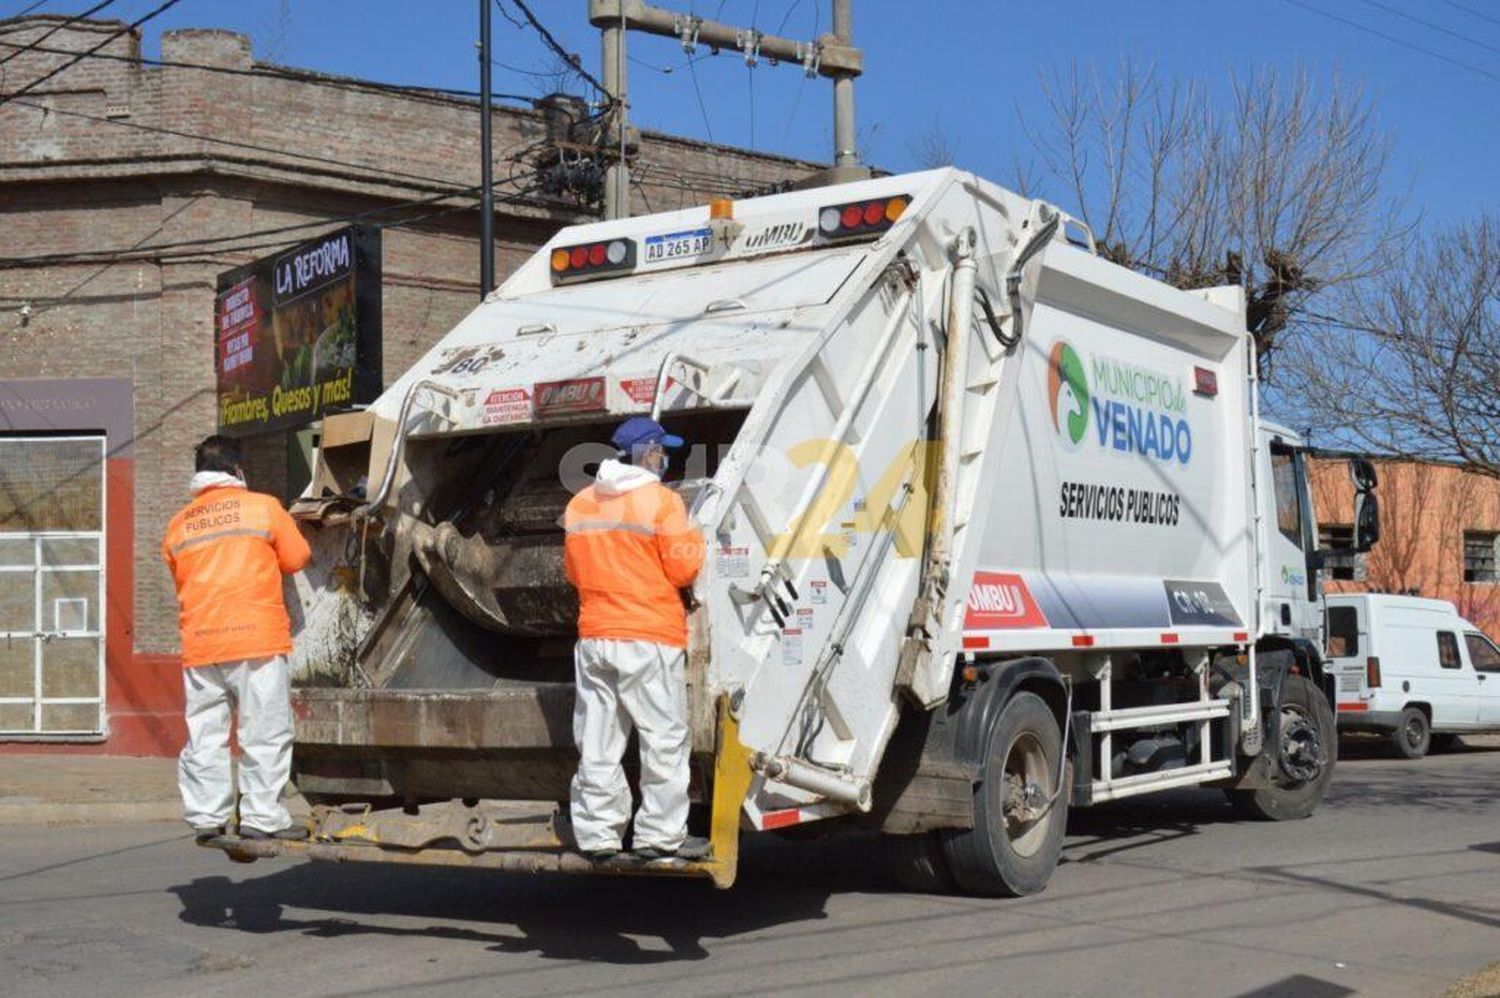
(91, 789)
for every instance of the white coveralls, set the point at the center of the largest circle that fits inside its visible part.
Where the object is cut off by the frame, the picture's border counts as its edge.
(621, 681)
(259, 690)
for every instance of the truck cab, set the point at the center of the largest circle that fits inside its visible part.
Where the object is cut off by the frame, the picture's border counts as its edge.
(1291, 585)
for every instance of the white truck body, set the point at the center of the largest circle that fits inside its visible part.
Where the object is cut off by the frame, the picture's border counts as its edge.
(944, 438)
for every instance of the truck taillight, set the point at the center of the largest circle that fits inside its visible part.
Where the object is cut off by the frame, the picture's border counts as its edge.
(1372, 671)
(861, 218)
(609, 256)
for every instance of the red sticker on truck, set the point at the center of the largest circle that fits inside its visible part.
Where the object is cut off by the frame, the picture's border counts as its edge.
(1001, 601)
(553, 398)
(641, 391)
(507, 405)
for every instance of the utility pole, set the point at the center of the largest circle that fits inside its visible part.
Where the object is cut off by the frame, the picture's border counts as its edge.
(486, 161)
(830, 55)
(617, 176)
(845, 152)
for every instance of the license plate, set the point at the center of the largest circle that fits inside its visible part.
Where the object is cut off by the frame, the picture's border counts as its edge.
(677, 245)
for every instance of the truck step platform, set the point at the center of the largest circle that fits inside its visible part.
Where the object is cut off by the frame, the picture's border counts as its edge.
(558, 860)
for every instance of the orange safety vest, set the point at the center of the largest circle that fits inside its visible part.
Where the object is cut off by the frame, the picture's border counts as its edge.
(227, 550)
(628, 554)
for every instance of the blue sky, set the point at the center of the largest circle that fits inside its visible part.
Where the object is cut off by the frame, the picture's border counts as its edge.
(971, 66)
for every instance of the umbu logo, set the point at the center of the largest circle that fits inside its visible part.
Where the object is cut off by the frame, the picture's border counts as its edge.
(998, 599)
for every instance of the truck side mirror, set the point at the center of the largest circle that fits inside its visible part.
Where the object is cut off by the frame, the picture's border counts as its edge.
(1366, 520)
(1363, 473)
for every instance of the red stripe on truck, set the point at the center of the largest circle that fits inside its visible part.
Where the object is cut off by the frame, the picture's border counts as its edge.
(976, 642)
(781, 819)
(1354, 706)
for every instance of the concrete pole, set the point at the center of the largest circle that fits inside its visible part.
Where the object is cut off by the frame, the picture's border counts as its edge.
(486, 164)
(845, 152)
(617, 177)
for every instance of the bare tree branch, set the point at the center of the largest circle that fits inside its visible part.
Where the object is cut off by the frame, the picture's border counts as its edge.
(1416, 371)
(1280, 190)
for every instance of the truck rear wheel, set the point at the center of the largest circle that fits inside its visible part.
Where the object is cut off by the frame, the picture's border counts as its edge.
(1018, 824)
(1304, 758)
(1413, 735)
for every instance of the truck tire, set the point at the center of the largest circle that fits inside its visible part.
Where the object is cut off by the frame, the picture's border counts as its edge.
(917, 863)
(1413, 735)
(1018, 827)
(1310, 744)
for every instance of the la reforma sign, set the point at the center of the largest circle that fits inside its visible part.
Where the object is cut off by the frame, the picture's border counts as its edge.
(297, 335)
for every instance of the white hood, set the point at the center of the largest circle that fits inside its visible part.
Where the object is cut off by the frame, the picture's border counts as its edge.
(616, 478)
(214, 480)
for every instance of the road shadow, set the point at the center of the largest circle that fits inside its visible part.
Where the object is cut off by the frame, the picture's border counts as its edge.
(1468, 913)
(594, 918)
(1106, 830)
(1360, 747)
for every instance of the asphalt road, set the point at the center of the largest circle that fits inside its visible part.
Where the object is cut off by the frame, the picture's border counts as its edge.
(1393, 888)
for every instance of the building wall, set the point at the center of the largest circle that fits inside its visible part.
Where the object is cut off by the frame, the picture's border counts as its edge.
(1425, 509)
(138, 172)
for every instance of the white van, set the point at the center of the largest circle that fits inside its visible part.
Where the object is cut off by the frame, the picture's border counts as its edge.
(1411, 668)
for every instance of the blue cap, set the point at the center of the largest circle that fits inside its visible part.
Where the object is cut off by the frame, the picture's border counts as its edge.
(638, 430)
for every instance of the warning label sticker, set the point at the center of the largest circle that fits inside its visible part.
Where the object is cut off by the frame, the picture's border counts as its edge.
(818, 592)
(507, 405)
(733, 562)
(804, 618)
(791, 646)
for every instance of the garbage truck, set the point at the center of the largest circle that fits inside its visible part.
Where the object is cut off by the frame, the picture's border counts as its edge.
(993, 527)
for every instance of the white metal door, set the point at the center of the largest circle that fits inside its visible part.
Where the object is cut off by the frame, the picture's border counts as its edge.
(51, 586)
(1485, 658)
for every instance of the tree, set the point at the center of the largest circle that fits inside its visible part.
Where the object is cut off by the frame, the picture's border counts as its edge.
(1279, 189)
(1416, 371)
(933, 147)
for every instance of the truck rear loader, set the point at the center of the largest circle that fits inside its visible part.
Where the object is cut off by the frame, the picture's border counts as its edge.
(993, 530)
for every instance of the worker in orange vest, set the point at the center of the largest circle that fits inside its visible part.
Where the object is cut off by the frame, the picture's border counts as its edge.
(227, 550)
(629, 550)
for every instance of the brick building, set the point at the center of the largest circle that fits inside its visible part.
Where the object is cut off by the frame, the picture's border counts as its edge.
(1440, 535)
(114, 175)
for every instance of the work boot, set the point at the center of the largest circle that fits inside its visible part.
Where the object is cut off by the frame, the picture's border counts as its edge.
(692, 847)
(207, 833)
(292, 833)
(601, 855)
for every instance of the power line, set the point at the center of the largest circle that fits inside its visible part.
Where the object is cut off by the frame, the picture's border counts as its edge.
(161, 9)
(82, 255)
(572, 60)
(275, 73)
(792, 9)
(786, 130)
(57, 27)
(1429, 24)
(29, 9)
(235, 144)
(190, 248)
(1395, 40)
(1470, 10)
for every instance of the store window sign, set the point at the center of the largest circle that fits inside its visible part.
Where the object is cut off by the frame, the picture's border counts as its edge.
(299, 333)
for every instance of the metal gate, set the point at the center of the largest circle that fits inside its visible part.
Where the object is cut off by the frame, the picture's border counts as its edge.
(51, 586)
